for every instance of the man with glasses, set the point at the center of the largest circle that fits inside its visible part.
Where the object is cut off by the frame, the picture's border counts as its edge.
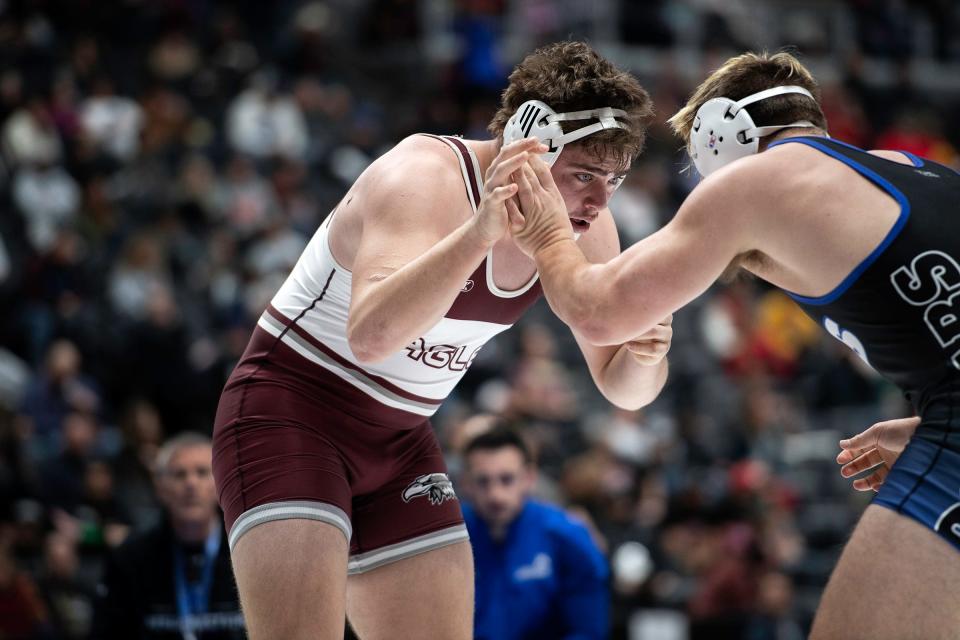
(539, 574)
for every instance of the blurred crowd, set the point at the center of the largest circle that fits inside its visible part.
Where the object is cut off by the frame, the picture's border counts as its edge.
(162, 165)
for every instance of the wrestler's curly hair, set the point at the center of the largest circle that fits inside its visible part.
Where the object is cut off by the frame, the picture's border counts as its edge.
(572, 76)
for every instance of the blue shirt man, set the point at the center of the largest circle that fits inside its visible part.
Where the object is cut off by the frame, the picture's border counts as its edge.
(539, 574)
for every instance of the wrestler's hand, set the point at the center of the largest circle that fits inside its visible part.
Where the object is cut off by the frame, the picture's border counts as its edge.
(492, 220)
(541, 218)
(652, 347)
(875, 448)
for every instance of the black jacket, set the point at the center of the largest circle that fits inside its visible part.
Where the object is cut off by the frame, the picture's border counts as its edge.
(136, 598)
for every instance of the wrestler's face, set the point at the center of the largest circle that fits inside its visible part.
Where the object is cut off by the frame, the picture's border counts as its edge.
(498, 482)
(186, 486)
(586, 182)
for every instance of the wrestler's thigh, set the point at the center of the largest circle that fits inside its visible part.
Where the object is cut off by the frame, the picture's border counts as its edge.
(291, 575)
(896, 580)
(428, 596)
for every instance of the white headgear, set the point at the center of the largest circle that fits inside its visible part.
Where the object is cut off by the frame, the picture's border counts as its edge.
(723, 131)
(536, 119)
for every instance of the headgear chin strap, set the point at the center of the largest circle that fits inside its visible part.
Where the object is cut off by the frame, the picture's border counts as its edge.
(723, 130)
(536, 119)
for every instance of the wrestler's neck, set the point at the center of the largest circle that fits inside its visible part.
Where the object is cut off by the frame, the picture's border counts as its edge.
(795, 132)
(486, 151)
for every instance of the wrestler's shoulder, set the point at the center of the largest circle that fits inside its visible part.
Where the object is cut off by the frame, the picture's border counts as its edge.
(415, 160)
(420, 149)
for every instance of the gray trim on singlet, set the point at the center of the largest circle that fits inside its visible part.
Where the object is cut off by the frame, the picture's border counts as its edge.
(370, 560)
(305, 344)
(290, 510)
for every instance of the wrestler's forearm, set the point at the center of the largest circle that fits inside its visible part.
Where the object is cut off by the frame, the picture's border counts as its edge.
(570, 285)
(404, 305)
(629, 384)
(613, 302)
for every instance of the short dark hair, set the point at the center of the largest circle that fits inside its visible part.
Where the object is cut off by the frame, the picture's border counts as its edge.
(500, 436)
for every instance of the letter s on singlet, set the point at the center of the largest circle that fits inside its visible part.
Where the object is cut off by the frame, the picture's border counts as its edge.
(932, 280)
(928, 274)
(846, 337)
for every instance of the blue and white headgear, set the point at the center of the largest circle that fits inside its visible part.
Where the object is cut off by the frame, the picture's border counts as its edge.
(536, 119)
(723, 130)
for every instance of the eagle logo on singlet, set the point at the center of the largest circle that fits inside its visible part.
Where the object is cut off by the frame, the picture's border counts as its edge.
(436, 486)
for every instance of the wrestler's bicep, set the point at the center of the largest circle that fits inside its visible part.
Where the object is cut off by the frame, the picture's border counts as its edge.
(403, 219)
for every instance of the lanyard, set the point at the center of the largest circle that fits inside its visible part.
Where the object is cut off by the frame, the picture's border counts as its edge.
(193, 599)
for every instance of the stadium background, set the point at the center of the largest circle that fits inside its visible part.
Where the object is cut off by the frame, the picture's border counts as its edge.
(163, 164)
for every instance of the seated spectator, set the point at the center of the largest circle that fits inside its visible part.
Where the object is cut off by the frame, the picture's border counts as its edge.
(60, 389)
(48, 198)
(264, 121)
(22, 612)
(538, 572)
(174, 580)
(112, 122)
(142, 432)
(65, 593)
(62, 476)
(30, 136)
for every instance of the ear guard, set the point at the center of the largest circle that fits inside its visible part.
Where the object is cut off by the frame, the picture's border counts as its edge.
(723, 130)
(536, 119)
